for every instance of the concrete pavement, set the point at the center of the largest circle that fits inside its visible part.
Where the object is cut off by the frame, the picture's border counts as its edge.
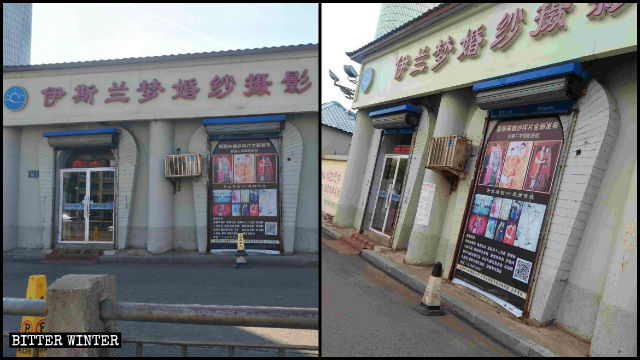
(522, 339)
(367, 313)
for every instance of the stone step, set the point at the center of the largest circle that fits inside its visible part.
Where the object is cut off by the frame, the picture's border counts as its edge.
(361, 242)
(84, 256)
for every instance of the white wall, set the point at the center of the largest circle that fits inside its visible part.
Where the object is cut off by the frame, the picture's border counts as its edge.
(167, 73)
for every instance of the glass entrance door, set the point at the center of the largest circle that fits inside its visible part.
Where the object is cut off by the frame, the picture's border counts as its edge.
(86, 205)
(388, 195)
(73, 220)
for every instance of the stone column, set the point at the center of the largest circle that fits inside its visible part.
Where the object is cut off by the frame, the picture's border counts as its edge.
(616, 329)
(10, 169)
(413, 185)
(367, 180)
(73, 305)
(424, 240)
(356, 163)
(160, 198)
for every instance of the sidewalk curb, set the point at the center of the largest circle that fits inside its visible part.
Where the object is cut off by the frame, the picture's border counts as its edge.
(204, 259)
(213, 260)
(23, 257)
(390, 268)
(330, 232)
(494, 329)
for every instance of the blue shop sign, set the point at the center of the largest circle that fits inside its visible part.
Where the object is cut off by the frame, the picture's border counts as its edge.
(15, 98)
(366, 80)
(101, 206)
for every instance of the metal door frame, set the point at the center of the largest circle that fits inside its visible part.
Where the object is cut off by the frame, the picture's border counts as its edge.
(87, 171)
(395, 176)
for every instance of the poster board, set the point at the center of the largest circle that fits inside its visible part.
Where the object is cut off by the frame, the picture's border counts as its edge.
(500, 242)
(244, 194)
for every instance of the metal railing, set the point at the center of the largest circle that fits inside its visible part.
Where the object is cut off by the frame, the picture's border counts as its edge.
(258, 316)
(231, 347)
(24, 307)
(252, 316)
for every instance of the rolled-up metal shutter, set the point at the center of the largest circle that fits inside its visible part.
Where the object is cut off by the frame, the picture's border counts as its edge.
(396, 117)
(244, 125)
(549, 85)
(107, 137)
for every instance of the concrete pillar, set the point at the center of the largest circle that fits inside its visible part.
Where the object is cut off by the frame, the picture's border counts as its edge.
(73, 305)
(413, 185)
(11, 137)
(616, 329)
(424, 240)
(367, 181)
(160, 199)
(356, 163)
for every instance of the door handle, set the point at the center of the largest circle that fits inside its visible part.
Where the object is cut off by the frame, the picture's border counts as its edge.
(389, 194)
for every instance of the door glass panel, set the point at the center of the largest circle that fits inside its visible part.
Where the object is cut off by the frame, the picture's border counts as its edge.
(101, 206)
(384, 190)
(73, 193)
(395, 197)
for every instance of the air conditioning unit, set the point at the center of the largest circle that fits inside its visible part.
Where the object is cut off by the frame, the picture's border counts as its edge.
(448, 154)
(182, 166)
(536, 92)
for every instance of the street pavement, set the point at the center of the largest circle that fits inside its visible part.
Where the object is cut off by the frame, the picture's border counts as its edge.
(367, 313)
(258, 285)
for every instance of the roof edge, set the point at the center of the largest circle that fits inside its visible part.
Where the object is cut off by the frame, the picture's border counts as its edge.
(159, 58)
(412, 26)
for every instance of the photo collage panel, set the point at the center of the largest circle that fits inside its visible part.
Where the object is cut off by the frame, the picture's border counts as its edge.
(520, 165)
(508, 221)
(244, 168)
(245, 202)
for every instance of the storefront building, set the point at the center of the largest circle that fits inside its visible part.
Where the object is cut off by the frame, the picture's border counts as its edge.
(178, 152)
(500, 140)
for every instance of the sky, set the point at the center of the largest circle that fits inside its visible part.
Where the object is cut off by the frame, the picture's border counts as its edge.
(345, 27)
(82, 32)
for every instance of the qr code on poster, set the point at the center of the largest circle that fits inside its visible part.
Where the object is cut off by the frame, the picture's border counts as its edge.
(270, 228)
(522, 270)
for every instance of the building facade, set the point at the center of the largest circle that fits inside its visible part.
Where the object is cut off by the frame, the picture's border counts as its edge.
(499, 139)
(178, 152)
(16, 33)
(337, 128)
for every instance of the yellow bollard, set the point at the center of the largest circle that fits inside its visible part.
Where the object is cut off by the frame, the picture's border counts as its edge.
(241, 255)
(36, 289)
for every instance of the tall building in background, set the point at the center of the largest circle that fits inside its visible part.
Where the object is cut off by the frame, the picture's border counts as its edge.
(392, 15)
(16, 34)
